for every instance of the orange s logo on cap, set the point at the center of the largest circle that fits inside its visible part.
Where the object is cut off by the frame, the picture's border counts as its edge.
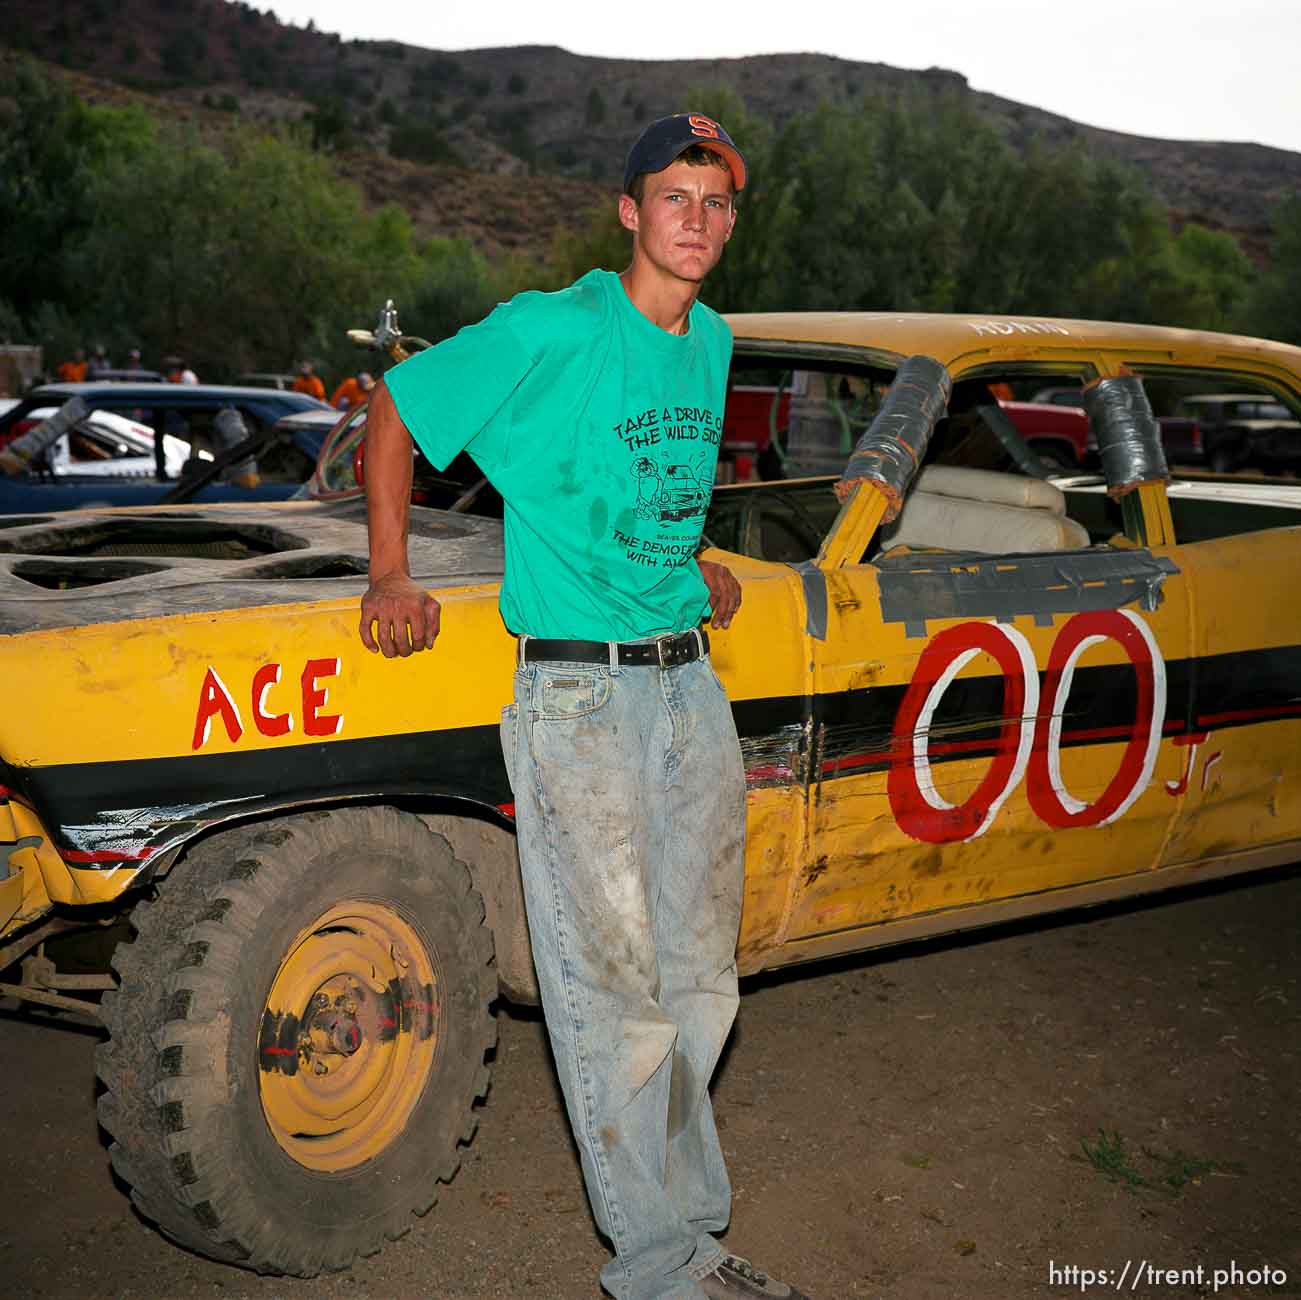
(703, 126)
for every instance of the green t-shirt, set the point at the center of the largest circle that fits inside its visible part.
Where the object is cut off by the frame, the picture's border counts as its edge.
(600, 430)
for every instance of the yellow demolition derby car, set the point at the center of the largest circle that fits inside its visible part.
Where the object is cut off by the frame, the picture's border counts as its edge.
(965, 692)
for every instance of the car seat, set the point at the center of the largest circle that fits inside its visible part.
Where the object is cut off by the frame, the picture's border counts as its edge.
(957, 509)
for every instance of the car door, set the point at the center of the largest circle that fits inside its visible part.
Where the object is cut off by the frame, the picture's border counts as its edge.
(1238, 785)
(988, 726)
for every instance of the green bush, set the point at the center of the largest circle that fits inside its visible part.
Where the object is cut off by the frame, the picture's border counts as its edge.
(421, 142)
(1273, 308)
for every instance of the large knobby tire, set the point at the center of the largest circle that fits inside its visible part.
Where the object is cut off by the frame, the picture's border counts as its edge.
(299, 1037)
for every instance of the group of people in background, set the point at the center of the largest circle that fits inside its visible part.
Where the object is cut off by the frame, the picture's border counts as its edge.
(79, 368)
(350, 394)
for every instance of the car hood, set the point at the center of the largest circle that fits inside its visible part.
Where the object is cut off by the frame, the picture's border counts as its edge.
(121, 565)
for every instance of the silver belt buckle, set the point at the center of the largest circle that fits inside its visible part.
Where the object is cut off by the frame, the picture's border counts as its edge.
(660, 643)
(675, 649)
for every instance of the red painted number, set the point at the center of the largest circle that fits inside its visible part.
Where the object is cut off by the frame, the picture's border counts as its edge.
(1030, 736)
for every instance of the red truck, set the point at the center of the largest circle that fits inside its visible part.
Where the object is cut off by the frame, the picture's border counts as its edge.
(1059, 435)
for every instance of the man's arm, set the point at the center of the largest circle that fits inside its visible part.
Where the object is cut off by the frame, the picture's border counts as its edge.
(405, 616)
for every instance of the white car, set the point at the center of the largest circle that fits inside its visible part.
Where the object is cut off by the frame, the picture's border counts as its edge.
(110, 445)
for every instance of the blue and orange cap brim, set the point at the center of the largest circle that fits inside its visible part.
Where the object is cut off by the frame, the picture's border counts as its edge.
(730, 155)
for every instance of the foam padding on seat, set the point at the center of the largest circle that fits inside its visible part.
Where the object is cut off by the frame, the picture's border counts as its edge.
(931, 520)
(991, 486)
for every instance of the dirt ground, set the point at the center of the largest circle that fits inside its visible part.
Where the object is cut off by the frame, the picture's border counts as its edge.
(955, 1119)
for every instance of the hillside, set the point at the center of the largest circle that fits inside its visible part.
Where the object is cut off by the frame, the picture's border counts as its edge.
(504, 146)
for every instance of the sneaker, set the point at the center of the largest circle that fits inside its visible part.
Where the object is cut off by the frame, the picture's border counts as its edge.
(737, 1279)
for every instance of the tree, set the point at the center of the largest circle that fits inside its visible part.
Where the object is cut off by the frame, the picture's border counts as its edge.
(421, 142)
(243, 257)
(1274, 308)
(1218, 276)
(919, 203)
(234, 258)
(51, 146)
(330, 126)
(452, 286)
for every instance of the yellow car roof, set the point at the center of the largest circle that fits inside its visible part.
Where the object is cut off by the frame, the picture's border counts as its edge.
(955, 339)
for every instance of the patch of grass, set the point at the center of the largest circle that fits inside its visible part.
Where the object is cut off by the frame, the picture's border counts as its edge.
(1167, 1173)
(1107, 1155)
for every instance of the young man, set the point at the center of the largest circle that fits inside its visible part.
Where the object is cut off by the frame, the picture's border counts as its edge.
(597, 412)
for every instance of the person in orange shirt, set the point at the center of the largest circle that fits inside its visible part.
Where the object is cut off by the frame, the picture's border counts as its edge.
(309, 382)
(74, 371)
(352, 392)
(175, 371)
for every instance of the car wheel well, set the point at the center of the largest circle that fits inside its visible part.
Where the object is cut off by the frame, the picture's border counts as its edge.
(480, 836)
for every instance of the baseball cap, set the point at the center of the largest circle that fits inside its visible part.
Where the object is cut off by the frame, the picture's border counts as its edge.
(663, 141)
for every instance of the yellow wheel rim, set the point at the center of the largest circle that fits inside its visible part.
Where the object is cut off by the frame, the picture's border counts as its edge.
(348, 1036)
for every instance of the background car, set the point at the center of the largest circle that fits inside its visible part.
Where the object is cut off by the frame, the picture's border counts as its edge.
(1058, 433)
(1240, 429)
(1060, 395)
(1182, 437)
(111, 446)
(308, 430)
(267, 379)
(133, 376)
(184, 412)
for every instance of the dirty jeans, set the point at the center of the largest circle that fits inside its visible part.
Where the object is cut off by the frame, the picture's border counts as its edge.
(630, 811)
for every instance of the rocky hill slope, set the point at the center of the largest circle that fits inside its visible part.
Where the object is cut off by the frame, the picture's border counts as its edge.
(538, 122)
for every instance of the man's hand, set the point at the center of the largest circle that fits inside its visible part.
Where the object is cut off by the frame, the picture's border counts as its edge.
(724, 592)
(406, 617)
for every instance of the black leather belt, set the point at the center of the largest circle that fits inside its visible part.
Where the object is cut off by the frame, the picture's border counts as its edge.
(663, 652)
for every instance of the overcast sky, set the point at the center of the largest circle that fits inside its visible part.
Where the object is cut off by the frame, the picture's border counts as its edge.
(1177, 69)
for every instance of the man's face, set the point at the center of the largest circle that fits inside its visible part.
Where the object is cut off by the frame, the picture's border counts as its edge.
(684, 219)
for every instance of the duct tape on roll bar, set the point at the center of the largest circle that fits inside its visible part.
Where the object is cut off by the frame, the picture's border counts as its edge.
(1129, 437)
(891, 449)
(18, 456)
